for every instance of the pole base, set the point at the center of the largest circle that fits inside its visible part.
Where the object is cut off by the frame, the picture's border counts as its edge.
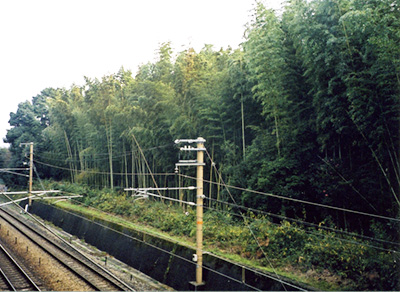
(197, 285)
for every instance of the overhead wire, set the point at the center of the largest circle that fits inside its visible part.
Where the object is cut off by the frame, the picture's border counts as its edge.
(303, 222)
(239, 206)
(312, 232)
(147, 164)
(244, 219)
(37, 174)
(277, 276)
(13, 172)
(266, 194)
(102, 172)
(236, 205)
(76, 158)
(346, 181)
(298, 200)
(185, 259)
(248, 190)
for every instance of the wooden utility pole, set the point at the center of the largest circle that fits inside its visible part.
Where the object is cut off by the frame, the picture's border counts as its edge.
(199, 212)
(199, 162)
(30, 172)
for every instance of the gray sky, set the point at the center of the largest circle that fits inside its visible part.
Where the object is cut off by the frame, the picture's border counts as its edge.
(48, 43)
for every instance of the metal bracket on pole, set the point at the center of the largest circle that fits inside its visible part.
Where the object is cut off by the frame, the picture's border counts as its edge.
(190, 141)
(190, 148)
(189, 164)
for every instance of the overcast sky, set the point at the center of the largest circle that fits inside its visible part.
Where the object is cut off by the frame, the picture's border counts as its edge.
(54, 43)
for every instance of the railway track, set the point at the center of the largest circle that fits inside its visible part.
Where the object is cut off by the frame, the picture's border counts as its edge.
(12, 276)
(92, 274)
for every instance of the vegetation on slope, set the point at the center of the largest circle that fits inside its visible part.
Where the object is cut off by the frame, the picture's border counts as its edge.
(321, 258)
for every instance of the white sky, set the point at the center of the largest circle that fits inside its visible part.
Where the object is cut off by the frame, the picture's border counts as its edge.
(49, 43)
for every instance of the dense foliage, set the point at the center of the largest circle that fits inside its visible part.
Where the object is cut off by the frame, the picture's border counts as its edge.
(307, 109)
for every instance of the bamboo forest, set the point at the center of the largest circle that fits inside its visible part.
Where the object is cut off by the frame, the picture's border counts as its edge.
(302, 130)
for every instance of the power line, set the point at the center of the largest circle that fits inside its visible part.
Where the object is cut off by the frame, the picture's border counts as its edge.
(346, 181)
(13, 172)
(102, 172)
(187, 260)
(298, 200)
(259, 211)
(147, 164)
(76, 158)
(146, 194)
(322, 235)
(304, 222)
(241, 189)
(244, 219)
(243, 207)
(289, 219)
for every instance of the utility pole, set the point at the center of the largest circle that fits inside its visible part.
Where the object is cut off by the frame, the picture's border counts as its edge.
(30, 170)
(199, 212)
(198, 257)
(199, 162)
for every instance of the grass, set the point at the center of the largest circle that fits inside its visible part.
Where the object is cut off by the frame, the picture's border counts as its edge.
(322, 259)
(291, 273)
(95, 213)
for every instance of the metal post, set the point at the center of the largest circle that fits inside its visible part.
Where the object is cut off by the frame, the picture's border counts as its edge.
(30, 172)
(199, 211)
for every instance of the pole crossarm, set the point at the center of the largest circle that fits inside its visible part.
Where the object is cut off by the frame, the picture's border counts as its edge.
(3, 169)
(33, 192)
(146, 194)
(59, 197)
(161, 189)
(190, 164)
(190, 148)
(40, 193)
(190, 141)
(13, 172)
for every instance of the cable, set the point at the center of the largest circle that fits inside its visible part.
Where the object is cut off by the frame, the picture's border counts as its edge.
(244, 219)
(13, 172)
(247, 190)
(238, 206)
(346, 181)
(102, 172)
(304, 222)
(180, 257)
(299, 201)
(146, 193)
(62, 239)
(147, 164)
(37, 174)
(377, 160)
(77, 159)
(315, 233)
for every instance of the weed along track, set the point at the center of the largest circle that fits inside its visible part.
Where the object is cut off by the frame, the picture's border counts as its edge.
(55, 261)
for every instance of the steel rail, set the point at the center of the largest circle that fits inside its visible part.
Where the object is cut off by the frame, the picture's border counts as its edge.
(29, 280)
(61, 249)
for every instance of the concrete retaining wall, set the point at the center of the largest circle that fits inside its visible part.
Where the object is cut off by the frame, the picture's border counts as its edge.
(163, 260)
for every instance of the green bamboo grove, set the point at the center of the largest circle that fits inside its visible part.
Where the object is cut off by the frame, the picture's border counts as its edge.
(306, 108)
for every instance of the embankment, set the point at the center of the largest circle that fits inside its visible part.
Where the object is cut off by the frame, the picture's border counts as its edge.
(164, 260)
